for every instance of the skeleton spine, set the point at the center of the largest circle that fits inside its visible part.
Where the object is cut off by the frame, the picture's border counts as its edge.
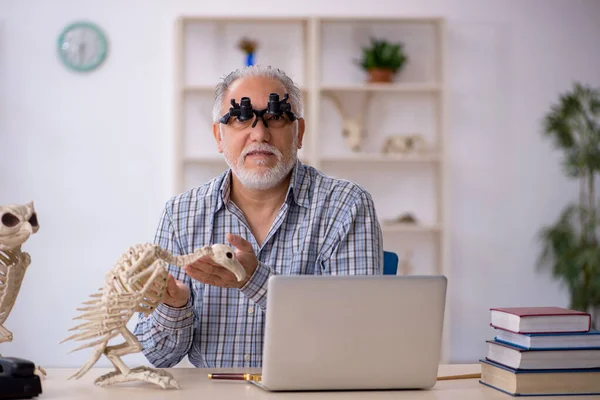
(180, 261)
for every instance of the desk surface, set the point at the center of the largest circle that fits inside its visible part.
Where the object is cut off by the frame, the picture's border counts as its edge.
(195, 385)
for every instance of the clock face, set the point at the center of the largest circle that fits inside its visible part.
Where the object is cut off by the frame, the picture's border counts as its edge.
(82, 46)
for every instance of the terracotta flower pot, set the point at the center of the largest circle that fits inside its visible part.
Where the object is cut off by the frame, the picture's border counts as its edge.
(377, 75)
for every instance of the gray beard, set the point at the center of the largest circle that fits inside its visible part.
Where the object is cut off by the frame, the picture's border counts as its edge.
(263, 180)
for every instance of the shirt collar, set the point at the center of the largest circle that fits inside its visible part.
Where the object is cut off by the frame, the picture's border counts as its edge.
(298, 187)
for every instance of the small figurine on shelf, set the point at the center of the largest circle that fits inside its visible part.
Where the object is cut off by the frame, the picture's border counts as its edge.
(382, 60)
(404, 144)
(248, 46)
(406, 266)
(406, 218)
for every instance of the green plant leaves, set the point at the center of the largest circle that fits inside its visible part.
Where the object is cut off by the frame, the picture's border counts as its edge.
(382, 54)
(570, 247)
(573, 124)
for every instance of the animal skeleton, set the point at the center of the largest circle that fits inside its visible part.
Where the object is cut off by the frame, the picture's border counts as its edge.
(17, 224)
(136, 283)
(352, 128)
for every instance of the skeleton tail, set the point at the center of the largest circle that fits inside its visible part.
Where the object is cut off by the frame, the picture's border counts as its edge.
(98, 351)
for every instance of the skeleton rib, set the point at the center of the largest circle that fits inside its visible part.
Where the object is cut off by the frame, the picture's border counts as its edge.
(98, 323)
(86, 308)
(104, 339)
(89, 335)
(95, 316)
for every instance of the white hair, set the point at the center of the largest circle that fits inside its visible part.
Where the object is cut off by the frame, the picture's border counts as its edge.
(295, 94)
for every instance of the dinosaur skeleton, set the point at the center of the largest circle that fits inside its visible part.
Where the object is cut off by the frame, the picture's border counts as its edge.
(136, 283)
(17, 224)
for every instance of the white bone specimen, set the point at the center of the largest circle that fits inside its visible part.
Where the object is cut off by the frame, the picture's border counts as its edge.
(404, 144)
(17, 224)
(352, 128)
(135, 284)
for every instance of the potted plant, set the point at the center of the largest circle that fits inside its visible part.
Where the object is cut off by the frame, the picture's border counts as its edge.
(571, 246)
(248, 47)
(382, 60)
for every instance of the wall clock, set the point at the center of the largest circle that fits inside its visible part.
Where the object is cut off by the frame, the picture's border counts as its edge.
(82, 46)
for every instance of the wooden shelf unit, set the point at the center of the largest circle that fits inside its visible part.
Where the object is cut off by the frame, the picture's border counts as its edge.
(320, 54)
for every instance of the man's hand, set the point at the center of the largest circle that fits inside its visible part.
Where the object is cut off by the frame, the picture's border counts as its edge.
(177, 293)
(207, 271)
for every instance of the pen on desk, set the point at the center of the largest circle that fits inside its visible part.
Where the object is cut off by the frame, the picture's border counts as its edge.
(461, 376)
(233, 376)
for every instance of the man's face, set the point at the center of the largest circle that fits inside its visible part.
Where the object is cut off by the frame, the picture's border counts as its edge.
(260, 157)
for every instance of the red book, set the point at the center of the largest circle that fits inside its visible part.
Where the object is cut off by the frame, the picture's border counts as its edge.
(540, 320)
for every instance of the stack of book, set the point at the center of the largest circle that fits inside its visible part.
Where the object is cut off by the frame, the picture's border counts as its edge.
(542, 351)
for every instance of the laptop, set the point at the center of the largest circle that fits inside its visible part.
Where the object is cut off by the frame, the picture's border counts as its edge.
(352, 332)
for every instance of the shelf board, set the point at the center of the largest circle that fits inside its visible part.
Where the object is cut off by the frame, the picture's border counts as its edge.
(358, 87)
(205, 88)
(243, 19)
(383, 87)
(199, 88)
(358, 158)
(211, 159)
(382, 19)
(383, 158)
(409, 228)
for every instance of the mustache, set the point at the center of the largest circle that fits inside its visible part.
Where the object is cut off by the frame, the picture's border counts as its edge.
(262, 147)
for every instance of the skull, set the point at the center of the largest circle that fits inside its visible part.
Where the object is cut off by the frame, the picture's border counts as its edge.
(17, 223)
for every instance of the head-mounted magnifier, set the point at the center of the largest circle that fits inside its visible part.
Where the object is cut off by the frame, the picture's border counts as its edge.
(244, 111)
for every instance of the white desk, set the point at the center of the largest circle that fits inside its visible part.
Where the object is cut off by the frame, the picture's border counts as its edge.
(195, 385)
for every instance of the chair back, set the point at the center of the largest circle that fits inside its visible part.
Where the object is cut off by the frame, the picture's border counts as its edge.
(390, 263)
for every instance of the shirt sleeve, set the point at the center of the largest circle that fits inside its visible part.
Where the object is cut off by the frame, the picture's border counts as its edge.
(357, 248)
(256, 287)
(166, 334)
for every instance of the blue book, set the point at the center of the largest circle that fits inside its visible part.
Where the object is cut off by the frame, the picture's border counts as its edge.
(520, 358)
(541, 382)
(539, 341)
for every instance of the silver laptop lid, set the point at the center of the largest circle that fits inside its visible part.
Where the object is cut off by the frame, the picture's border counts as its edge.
(353, 332)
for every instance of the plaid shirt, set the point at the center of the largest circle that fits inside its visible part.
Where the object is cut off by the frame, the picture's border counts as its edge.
(325, 226)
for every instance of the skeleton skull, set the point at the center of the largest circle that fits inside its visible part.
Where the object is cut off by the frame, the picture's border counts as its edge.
(17, 223)
(224, 255)
(353, 134)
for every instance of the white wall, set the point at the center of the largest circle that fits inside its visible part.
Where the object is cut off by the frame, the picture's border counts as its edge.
(93, 151)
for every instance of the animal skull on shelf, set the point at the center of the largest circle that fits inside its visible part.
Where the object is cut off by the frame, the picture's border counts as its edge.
(404, 144)
(136, 283)
(352, 128)
(17, 223)
(353, 134)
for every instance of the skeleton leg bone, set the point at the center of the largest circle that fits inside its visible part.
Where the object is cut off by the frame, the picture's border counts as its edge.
(5, 335)
(39, 371)
(125, 374)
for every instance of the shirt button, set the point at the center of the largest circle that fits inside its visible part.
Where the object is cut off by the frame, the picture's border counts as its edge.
(247, 357)
(250, 310)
